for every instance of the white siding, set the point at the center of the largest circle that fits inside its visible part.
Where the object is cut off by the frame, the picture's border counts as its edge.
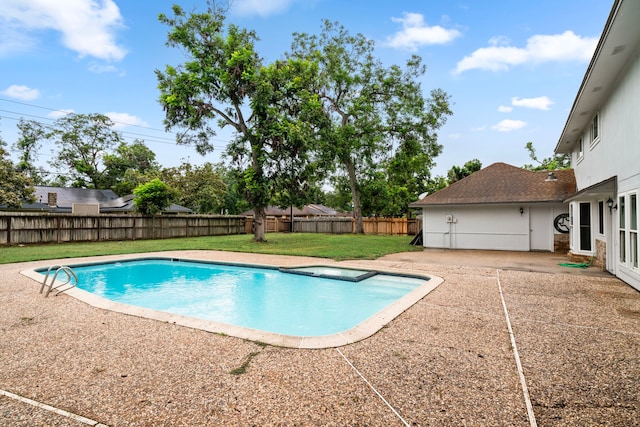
(616, 154)
(491, 227)
(618, 151)
(477, 227)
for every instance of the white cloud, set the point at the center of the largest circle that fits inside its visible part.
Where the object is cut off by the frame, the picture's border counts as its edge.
(539, 103)
(455, 135)
(88, 27)
(479, 128)
(24, 93)
(416, 33)
(59, 113)
(508, 125)
(539, 49)
(102, 68)
(260, 7)
(122, 120)
(505, 109)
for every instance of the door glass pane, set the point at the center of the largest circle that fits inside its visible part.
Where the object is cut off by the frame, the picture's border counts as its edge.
(633, 249)
(585, 226)
(601, 217)
(623, 232)
(633, 227)
(633, 213)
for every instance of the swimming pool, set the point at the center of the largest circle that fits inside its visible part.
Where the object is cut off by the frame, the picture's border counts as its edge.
(306, 305)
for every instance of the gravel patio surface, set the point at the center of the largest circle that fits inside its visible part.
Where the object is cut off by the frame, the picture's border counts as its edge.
(447, 360)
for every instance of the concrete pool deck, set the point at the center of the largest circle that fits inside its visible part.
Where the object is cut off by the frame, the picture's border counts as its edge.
(447, 360)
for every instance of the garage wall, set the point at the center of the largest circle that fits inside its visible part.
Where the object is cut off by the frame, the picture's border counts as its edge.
(493, 227)
(484, 227)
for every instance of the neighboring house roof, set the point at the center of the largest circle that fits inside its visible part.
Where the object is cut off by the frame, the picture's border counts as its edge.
(307, 210)
(65, 197)
(125, 204)
(503, 183)
(108, 200)
(617, 46)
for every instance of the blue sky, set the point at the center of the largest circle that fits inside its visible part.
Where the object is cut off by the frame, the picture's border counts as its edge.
(512, 69)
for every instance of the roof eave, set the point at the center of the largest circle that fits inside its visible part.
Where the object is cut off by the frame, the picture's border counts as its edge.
(616, 46)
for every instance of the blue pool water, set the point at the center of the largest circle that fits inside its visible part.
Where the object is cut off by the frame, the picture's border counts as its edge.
(258, 298)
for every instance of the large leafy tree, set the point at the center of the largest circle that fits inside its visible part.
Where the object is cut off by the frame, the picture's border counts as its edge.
(31, 136)
(153, 197)
(129, 166)
(90, 153)
(372, 110)
(200, 188)
(83, 139)
(15, 187)
(223, 79)
(456, 173)
(234, 201)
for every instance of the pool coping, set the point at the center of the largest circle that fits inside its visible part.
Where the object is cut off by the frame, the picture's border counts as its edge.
(361, 331)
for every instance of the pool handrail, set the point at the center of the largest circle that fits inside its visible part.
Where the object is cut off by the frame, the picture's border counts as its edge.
(65, 269)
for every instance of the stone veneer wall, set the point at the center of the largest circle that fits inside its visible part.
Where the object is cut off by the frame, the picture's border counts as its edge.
(561, 242)
(599, 260)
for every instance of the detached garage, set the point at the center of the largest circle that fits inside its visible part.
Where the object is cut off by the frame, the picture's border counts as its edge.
(500, 207)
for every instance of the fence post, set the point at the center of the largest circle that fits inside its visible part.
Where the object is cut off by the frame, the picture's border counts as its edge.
(9, 230)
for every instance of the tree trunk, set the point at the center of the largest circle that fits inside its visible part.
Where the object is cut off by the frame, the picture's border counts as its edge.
(355, 195)
(259, 224)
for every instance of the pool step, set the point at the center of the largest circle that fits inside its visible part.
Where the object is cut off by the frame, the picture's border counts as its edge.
(71, 277)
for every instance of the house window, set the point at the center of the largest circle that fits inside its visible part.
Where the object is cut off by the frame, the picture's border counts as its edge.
(580, 148)
(595, 129)
(585, 226)
(601, 217)
(623, 230)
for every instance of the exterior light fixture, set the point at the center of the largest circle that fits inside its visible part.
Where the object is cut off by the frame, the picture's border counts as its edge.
(521, 210)
(610, 204)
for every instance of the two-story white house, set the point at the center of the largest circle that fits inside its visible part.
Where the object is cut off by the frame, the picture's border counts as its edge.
(602, 133)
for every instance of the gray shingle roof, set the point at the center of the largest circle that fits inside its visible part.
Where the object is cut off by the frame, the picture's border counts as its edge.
(67, 196)
(108, 200)
(503, 183)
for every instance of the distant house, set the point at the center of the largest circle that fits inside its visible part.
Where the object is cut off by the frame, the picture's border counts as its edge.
(602, 133)
(500, 207)
(307, 211)
(86, 201)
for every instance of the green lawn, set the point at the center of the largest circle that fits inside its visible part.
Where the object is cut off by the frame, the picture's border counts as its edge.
(334, 246)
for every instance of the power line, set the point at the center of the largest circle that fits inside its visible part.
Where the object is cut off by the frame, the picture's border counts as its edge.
(153, 138)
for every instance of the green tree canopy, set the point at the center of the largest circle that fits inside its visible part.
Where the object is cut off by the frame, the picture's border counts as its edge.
(31, 136)
(153, 197)
(83, 139)
(223, 79)
(456, 173)
(200, 188)
(372, 111)
(129, 166)
(15, 187)
(555, 162)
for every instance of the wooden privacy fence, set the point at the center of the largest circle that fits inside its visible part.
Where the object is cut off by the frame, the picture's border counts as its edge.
(35, 227)
(341, 225)
(29, 228)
